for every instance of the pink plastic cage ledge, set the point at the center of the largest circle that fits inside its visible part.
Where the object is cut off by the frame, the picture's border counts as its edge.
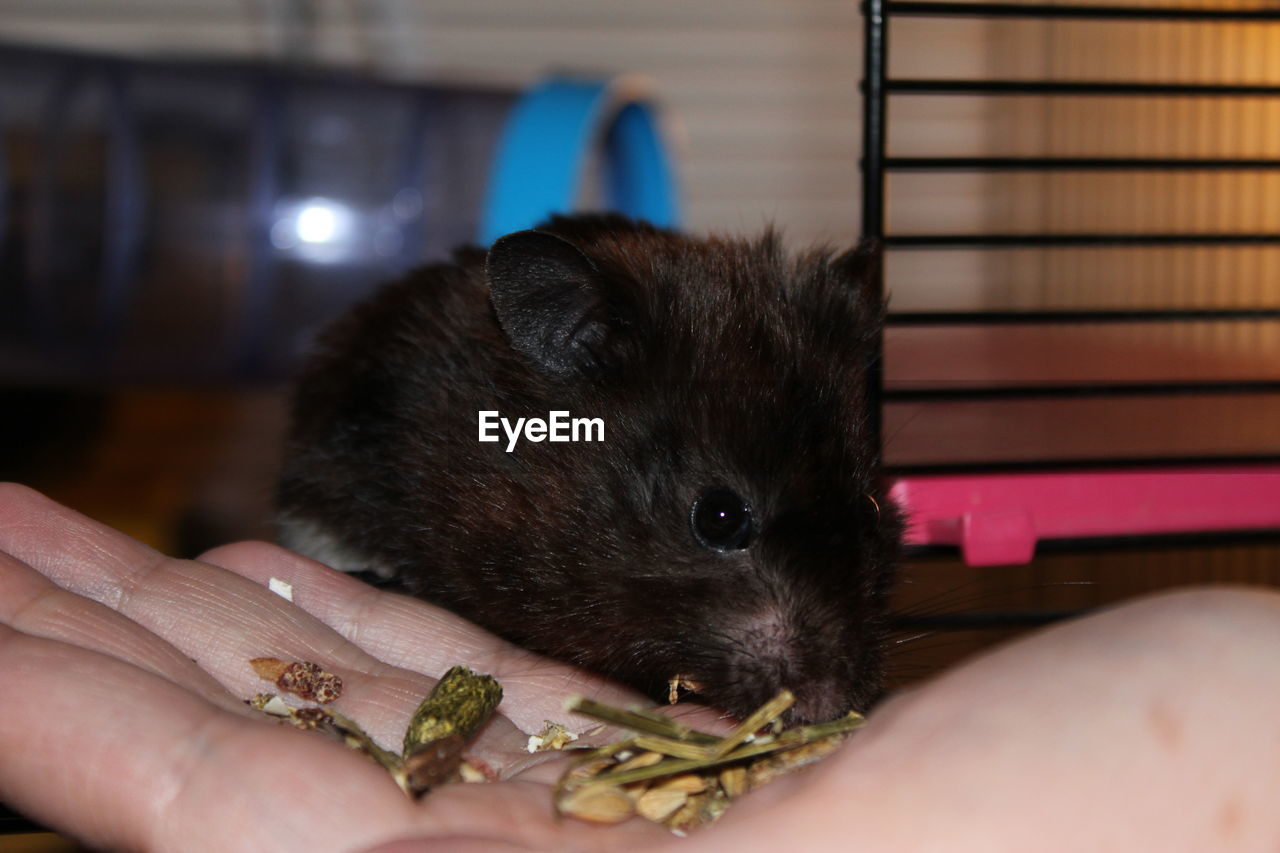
(997, 519)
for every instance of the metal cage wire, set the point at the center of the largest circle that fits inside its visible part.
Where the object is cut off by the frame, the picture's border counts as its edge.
(997, 511)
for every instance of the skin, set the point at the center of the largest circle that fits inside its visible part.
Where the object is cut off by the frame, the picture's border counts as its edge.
(1149, 726)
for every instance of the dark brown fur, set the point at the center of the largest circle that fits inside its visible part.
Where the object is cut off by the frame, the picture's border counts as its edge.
(713, 362)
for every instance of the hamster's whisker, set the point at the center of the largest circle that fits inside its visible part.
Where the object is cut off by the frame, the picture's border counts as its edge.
(942, 642)
(940, 605)
(921, 636)
(945, 596)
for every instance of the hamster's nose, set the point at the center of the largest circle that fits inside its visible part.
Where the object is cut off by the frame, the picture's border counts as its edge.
(817, 702)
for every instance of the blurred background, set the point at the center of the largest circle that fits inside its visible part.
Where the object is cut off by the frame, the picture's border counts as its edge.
(175, 231)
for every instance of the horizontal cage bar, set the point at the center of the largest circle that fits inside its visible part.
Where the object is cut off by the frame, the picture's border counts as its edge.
(1137, 542)
(1074, 87)
(1000, 318)
(924, 8)
(949, 241)
(1050, 465)
(1040, 392)
(1100, 164)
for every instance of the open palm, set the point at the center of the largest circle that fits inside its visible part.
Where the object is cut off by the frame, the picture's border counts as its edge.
(145, 660)
(122, 721)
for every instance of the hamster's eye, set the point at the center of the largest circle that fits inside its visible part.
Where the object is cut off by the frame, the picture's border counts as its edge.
(721, 520)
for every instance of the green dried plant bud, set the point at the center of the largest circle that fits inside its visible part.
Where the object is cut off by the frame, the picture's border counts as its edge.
(459, 705)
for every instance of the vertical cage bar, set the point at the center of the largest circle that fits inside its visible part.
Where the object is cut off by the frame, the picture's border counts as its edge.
(873, 150)
(873, 117)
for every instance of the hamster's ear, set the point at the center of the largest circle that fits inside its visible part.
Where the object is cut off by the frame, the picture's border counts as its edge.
(549, 299)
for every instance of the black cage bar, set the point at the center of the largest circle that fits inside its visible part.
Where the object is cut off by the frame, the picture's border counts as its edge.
(880, 91)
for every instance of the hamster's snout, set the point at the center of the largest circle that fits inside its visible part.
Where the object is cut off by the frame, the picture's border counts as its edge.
(770, 652)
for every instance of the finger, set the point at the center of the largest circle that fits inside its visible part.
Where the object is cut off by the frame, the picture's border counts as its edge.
(155, 767)
(218, 618)
(416, 635)
(33, 605)
(225, 621)
(411, 633)
(127, 760)
(391, 626)
(60, 543)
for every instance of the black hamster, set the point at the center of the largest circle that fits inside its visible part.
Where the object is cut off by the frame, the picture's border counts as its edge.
(729, 528)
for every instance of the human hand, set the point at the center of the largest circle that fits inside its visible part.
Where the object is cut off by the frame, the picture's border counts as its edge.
(1148, 727)
(124, 673)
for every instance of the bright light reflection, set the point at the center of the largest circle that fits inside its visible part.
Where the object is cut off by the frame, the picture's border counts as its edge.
(318, 221)
(316, 229)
